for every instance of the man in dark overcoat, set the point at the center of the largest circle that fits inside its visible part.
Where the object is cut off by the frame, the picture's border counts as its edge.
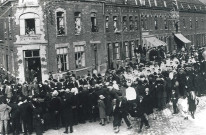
(66, 111)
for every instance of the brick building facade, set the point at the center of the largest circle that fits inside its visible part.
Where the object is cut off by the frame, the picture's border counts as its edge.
(57, 36)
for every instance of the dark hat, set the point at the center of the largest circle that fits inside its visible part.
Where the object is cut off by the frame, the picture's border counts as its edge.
(55, 80)
(61, 80)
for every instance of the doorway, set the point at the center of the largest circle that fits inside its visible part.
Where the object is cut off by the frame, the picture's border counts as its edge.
(32, 65)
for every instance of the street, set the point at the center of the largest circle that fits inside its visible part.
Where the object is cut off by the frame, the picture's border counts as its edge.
(165, 124)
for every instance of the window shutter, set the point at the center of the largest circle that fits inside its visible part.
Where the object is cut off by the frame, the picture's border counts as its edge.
(22, 27)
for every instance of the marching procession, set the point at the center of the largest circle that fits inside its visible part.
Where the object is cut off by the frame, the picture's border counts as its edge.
(138, 90)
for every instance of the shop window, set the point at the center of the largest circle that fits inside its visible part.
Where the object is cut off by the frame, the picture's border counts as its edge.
(60, 23)
(107, 23)
(116, 51)
(131, 27)
(77, 16)
(94, 22)
(79, 56)
(62, 59)
(124, 23)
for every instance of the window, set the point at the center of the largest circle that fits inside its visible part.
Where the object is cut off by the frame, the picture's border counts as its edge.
(136, 23)
(31, 53)
(29, 24)
(124, 23)
(62, 59)
(115, 23)
(165, 23)
(196, 23)
(189, 6)
(131, 25)
(184, 24)
(142, 2)
(132, 49)
(195, 7)
(155, 22)
(107, 23)
(79, 56)
(190, 23)
(94, 22)
(116, 51)
(77, 16)
(60, 23)
(145, 23)
(149, 3)
(127, 49)
(155, 2)
(182, 6)
(165, 3)
(142, 22)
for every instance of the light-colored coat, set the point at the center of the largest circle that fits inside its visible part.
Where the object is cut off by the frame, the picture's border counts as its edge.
(4, 111)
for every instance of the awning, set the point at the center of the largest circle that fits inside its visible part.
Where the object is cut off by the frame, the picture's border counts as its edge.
(182, 38)
(154, 42)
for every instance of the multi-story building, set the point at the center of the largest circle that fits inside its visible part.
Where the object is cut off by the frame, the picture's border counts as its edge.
(53, 36)
(57, 36)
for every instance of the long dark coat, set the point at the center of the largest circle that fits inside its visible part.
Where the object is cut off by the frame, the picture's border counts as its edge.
(66, 109)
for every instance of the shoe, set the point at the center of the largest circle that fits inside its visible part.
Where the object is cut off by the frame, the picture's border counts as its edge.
(103, 124)
(116, 131)
(66, 132)
(147, 127)
(139, 131)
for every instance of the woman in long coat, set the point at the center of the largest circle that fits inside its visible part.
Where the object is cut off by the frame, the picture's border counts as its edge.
(102, 112)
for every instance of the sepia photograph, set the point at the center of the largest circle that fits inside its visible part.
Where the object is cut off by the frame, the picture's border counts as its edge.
(103, 67)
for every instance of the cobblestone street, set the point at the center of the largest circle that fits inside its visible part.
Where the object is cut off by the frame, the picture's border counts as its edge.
(165, 124)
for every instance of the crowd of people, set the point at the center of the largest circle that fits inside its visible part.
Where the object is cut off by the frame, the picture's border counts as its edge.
(137, 90)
